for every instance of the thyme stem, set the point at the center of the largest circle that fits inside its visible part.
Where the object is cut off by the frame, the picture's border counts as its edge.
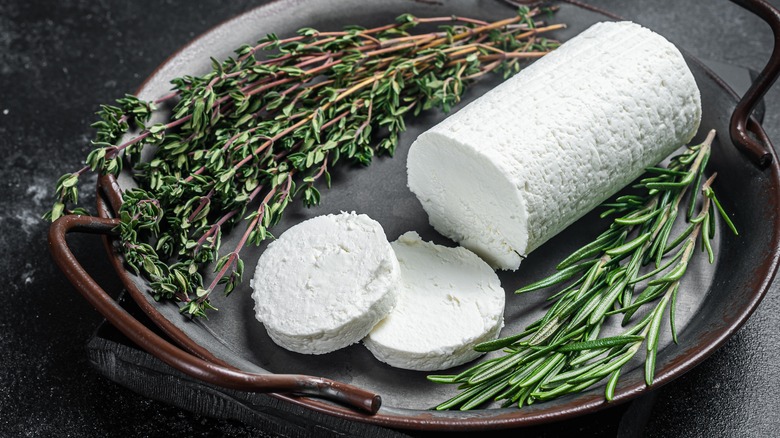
(257, 131)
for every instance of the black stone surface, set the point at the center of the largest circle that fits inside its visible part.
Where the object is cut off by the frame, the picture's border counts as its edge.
(60, 59)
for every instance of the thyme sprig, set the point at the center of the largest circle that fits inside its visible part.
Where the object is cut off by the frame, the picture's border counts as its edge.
(634, 263)
(266, 126)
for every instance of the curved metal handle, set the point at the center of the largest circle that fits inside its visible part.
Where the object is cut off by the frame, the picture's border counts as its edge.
(179, 359)
(741, 124)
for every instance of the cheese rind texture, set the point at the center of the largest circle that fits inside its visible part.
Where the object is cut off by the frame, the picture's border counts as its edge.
(324, 283)
(450, 300)
(521, 163)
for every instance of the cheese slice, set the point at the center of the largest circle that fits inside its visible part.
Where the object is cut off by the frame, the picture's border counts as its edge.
(521, 163)
(450, 301)
(325, 283)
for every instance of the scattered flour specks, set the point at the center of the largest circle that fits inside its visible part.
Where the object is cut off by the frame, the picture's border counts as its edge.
(29, 220)
(39, 192)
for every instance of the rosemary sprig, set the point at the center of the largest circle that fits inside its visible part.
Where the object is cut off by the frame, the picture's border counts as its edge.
(635, 262)
(257, 131)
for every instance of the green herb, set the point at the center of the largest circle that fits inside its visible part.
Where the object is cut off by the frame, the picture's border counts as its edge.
(636, 261)
(245, 139)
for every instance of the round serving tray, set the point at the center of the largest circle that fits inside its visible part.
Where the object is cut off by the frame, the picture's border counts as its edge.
(232, 350)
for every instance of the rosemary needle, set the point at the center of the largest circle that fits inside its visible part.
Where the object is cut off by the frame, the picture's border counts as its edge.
(268, 125)
(602, 279)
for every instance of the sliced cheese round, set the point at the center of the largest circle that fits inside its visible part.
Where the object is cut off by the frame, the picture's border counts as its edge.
(521, 163)
(450, 300)
(324, 283)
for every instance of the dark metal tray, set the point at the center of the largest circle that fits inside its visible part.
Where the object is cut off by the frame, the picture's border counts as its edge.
(231, 349)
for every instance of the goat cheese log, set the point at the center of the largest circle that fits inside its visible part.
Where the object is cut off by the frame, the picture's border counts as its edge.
(521, 163)
(324, 283)
(450, 300)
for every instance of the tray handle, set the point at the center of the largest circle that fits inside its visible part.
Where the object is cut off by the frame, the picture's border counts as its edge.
(354, 397)
(742, 125)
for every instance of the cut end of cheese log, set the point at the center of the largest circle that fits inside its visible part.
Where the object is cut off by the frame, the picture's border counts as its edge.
(325, 283)
(450, 300)
(521, 163)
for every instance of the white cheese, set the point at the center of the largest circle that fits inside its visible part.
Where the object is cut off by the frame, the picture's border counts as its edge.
(521, 163)
(450, 300)
(325, 283)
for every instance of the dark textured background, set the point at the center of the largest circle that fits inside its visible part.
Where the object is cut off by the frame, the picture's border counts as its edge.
(60, 59)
